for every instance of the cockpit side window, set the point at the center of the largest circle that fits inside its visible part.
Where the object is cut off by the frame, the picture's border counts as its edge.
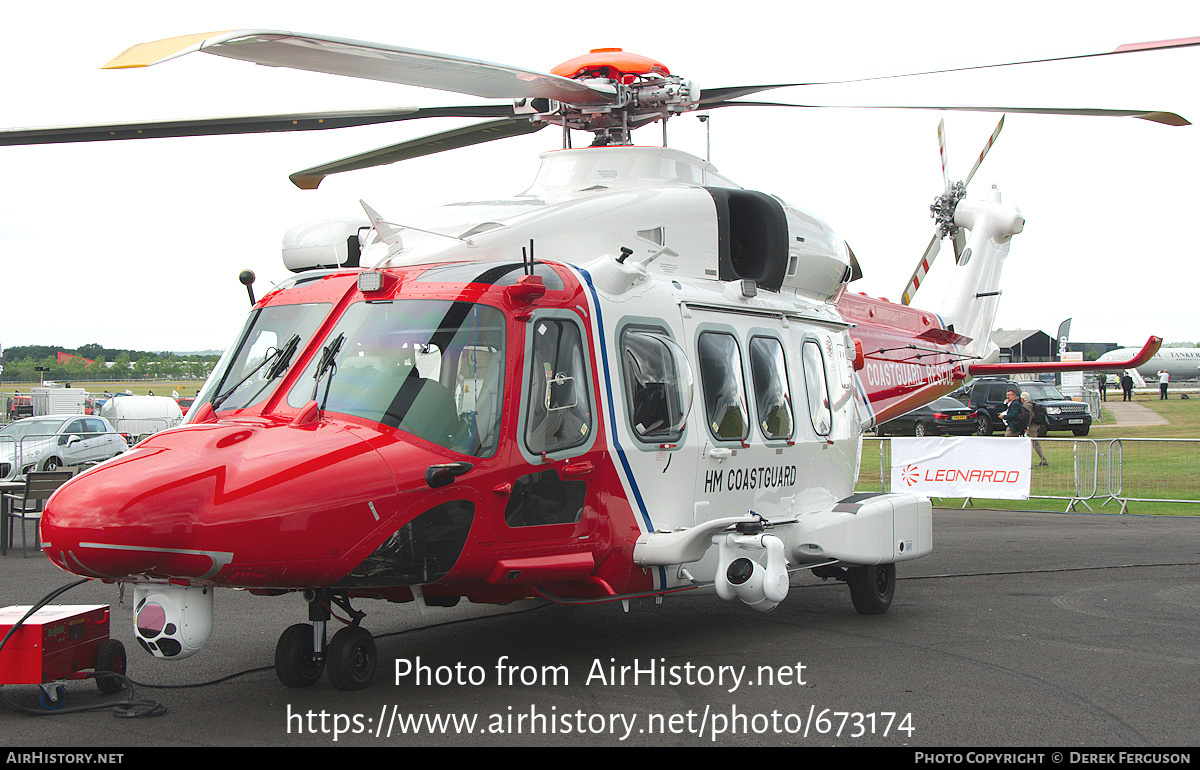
(559, 411)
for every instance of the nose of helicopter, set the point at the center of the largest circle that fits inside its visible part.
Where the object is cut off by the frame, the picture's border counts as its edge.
(204, 501)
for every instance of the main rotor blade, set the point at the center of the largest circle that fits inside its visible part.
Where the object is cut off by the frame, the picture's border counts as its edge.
(478, 133)
(371, 61)
(711, 97)
(1156, 116)
(301, 121)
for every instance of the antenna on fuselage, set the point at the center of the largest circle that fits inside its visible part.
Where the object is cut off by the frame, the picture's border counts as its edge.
(527, 258)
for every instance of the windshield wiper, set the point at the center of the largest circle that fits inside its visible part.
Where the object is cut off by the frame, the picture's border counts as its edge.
(285, 357)
(327, 366)
(281, 358)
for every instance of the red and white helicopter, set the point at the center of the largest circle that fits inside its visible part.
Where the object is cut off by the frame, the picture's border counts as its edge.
(635, 379)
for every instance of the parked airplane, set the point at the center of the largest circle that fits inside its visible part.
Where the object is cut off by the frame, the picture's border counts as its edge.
(1180, 363)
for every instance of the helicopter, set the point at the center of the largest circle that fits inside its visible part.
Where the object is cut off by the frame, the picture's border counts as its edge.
(636, 379)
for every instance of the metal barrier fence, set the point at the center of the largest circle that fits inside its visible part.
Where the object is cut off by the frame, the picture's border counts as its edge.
(1153, 470)
(44, 451)
(1084, 471)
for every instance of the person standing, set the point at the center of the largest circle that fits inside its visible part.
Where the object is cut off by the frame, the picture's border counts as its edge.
(1163, 379)
(1030, 416)
(1012, 415)
(1103, 385)
(1127, 387)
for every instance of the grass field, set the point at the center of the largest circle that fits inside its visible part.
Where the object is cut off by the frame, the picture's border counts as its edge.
(1182, 414)
(137, 387)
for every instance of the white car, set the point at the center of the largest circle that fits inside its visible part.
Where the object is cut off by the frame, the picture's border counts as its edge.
(46, 443)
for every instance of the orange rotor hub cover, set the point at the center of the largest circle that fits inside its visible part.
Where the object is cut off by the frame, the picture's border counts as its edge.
(612, 63)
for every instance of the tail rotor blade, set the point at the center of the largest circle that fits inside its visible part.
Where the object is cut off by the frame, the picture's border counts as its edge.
(960, 244)
(986, 147)
(922, 270)
(942, 151)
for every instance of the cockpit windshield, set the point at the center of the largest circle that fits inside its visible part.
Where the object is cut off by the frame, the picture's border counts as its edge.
(432, 368)
(244, 375)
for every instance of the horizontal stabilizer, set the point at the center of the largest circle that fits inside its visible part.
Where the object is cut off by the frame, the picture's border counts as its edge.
(943, 337)
(1033, 367)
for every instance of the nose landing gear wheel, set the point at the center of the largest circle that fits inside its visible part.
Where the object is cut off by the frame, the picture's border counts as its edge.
(872, 588)
(295, 663)
(351, 657)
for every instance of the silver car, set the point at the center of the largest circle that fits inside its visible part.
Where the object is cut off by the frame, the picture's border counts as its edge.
(46, 443)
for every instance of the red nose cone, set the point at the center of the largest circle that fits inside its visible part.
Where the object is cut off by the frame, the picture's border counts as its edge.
(205, 502)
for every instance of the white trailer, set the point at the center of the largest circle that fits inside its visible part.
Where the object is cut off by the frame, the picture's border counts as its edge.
(57, 400)
(136, 417)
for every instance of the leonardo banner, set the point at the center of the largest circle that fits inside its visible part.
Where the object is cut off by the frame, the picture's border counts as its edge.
(962, 466)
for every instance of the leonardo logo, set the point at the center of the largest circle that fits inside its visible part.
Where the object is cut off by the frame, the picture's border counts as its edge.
(910, 474)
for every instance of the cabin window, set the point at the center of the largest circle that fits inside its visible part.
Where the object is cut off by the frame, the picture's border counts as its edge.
(559, 412)
(818, 388)
(431, 368)
(724, 387)
(658, 384)
(772, 397)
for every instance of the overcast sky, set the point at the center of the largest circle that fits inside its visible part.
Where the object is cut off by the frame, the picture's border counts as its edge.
(138, 244)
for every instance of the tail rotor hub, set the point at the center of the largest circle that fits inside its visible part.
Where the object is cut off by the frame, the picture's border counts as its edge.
(942, 208)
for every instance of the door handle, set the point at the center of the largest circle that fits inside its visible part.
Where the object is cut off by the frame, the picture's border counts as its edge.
(720, 452)
(577, 470)
(441, 475)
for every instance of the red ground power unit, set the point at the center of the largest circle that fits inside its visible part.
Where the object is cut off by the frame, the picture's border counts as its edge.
(53, 643)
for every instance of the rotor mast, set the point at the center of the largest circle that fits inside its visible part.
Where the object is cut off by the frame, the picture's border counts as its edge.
(646, 91)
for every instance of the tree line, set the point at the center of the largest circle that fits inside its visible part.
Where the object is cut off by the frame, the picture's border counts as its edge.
(22, 363)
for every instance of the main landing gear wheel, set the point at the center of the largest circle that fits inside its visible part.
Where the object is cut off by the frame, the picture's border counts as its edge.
(872, 588)
(295, 663)
(351, 657)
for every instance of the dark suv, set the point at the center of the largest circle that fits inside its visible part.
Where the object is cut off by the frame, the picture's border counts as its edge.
(986, 397)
